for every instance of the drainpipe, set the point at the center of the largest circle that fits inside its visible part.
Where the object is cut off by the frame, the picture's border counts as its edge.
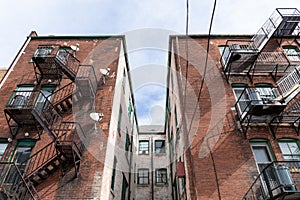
(130, 165)
(152, 174)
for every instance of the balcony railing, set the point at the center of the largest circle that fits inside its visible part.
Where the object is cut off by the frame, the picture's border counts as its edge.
(30, 108)
(86, 81)
(51, 61)
(15, 184)
(257, 102)
(278, 180)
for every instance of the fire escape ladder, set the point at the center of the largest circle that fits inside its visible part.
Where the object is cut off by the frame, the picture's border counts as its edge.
(69, 144)
(290, 117)
(289, 85)
(239, 56)
(282, 22)
(43, 163)
(15, 184)
(46, 115)
(63, 98)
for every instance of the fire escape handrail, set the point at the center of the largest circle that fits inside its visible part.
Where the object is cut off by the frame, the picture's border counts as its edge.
(33, 165)
(22, 176)
(262, 176)
(62, 93)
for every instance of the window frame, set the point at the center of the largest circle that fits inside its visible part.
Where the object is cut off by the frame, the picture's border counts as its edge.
(162, 148)
(3, 141)
(292, 56)
(143, 174)
(290, 140)
(141, 152)
(161, 178)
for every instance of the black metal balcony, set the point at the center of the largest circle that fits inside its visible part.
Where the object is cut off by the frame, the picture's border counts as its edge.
(31, 108)
(238, 56)
(254, 107)
(52, 61)
(278, 180)
(86, 81)
(15, 184)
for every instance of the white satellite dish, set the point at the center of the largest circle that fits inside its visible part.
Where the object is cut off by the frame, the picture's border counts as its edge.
(96, 116)
(105, 72)
(74, 48)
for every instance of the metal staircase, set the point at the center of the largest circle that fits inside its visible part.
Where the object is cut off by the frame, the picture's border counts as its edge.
(63, 153)
(15, 184)
(272, 106)
(240, 55)
(52, 61)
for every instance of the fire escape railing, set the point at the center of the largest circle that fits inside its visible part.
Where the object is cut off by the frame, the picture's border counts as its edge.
(239, 56)
(253, 107)
(31, 108)
(51, 61)
(278, 179)
(15, 184)
(39, 159)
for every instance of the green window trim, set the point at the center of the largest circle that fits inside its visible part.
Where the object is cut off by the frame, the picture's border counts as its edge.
(160, 146)
(113, 177)
(161, 176)
(143, 176)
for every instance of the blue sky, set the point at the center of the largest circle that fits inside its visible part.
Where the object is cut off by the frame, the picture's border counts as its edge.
(133, 18)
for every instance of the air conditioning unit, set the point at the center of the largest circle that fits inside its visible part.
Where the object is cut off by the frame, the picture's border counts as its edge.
(285, 178)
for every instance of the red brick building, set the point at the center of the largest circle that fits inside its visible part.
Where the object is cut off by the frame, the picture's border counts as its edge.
(68, 124)
(233, 113)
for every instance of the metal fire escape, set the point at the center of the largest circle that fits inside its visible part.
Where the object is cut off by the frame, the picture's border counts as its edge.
(242, 56)
(45, 113)
(278, 180)
(279, 107)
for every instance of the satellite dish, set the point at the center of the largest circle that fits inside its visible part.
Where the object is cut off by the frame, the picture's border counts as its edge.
(96, 116)
(105, 72)
(74, 48)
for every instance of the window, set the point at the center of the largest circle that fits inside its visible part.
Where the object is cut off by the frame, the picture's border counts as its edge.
(124, 188)
(143, 176)
(120, 120)
(262, 153)
(124, 79)
(129, 109)
(43, 51)
(113, 177)
(224, 51)
(3, 145)
(21, 95)
(63, 54)
(292, 53)
(289, 149)
(143, 147)
(241, 96)
(44, 98)
(20, 157)
(127, 143)
(161, 176)
(265, 91)
(160, 146)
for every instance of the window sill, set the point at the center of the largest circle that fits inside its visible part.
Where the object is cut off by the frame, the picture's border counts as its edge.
(143, 185)
(161, 184)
